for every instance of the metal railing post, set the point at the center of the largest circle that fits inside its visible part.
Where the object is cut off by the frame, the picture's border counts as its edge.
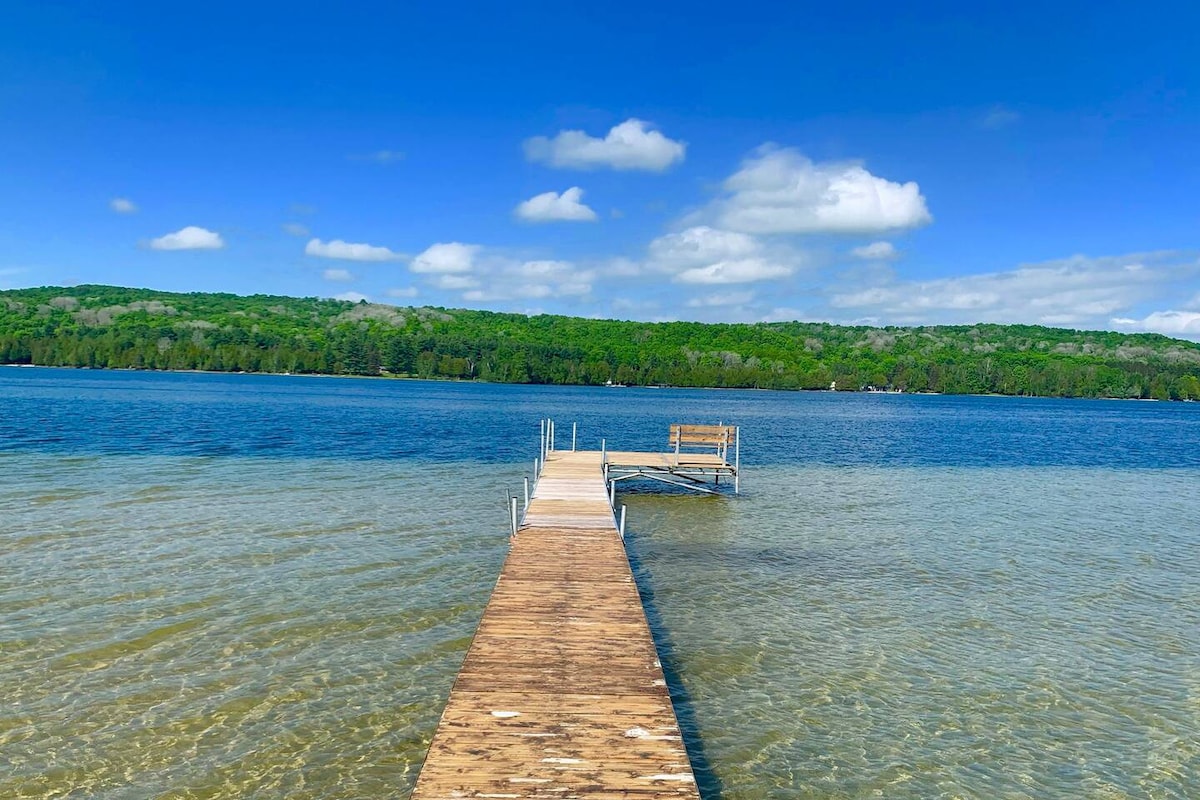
(514, 516)
(604, 454)
(574, 427)
(737, 460)
(526, 506)
(622, 521)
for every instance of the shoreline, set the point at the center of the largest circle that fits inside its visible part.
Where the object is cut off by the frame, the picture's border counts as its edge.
(435, 379)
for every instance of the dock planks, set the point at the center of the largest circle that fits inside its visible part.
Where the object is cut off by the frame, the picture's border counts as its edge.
(561, 694)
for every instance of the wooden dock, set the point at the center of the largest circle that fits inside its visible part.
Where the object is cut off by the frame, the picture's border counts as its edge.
(561, 694)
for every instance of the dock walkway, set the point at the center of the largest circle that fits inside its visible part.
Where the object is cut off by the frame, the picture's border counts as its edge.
(561, 694)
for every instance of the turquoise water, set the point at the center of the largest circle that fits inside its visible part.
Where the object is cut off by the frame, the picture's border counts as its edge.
(256, 586)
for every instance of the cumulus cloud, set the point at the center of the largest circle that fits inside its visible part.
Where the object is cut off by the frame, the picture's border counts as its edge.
(123, 205)
(702, 254)
(486, 274)
(402, 292)
(353, 297)
(294, 229)
(446, 257)
(700, 245)
(339, 275)
(1172, 323)
(632, 145)
(781, 191)
(1077, 291)
(513, 279)
(455, 282)
(349, 251)
(875, 251)
(551, 207)
(189, 238)
(746, 270)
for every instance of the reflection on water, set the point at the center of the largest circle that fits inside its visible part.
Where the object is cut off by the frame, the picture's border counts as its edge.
(226, 587)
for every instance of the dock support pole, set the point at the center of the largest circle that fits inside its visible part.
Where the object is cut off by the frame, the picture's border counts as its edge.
(550, 441)
(622, 521)
(737, 460)
(574, 428)
(604, 455)
(537, 468)
(542, 431)
(526, 506)
(514, 516)
(612, 494)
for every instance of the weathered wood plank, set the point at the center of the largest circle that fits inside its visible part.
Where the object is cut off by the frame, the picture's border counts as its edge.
(561, 693)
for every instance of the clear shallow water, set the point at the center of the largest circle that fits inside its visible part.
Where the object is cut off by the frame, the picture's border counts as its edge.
(255, 586)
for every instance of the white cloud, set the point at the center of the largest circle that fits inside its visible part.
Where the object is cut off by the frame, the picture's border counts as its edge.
(781, 191)
(875, 251)
(550, 206)
(700, 245)
(621, 267)
(746, 270)
(632, 145)
(455, 282)
(541, 269)
(719, 299)
(708, 255)
(1077, 292)
(1170, 323)
(446, 257)
(349, 251)
(123, 205)
(487, 274)
(510, 279)
(353, 297)
(189, 238)
(295, 229)
(406, 291)
(340, 275)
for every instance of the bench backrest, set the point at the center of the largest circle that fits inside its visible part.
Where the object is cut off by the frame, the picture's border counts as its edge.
(718, 437)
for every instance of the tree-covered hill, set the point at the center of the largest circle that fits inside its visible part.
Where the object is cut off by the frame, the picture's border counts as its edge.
(106, 326)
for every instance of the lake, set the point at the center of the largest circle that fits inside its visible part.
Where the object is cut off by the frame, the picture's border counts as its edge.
(227, 586)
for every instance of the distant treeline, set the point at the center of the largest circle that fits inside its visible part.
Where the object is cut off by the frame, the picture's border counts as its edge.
(112, 327)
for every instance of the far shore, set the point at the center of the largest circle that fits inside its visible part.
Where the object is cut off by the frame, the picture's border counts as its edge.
(392, 377)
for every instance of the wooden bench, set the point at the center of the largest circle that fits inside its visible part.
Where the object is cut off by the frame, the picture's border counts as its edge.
(705, 438)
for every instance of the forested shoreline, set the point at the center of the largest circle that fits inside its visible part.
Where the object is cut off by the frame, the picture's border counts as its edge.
(114, 327)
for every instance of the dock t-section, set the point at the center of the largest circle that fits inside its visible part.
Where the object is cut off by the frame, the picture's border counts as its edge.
(561, 694)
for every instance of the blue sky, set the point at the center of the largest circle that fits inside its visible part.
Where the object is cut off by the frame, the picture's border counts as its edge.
(869, 163)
